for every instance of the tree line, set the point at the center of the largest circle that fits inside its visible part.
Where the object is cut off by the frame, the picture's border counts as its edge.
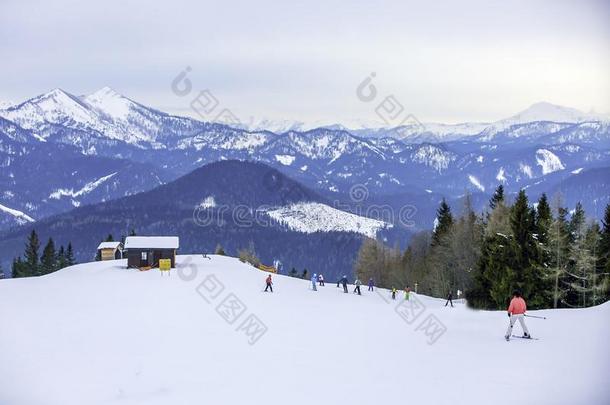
(555, 257)
(35, 264)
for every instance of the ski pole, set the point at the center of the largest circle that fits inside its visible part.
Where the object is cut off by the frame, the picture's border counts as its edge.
(534, 316)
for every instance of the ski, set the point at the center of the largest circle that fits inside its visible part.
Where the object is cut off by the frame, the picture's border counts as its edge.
(523, 337)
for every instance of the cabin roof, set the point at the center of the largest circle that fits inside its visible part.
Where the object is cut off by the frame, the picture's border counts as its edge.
(109, 245)
(152, 242)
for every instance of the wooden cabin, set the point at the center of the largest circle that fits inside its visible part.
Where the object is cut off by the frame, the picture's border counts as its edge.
(110, 250)
(144, 252)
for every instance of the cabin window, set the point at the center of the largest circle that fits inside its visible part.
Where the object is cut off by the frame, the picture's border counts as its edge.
(144, 255)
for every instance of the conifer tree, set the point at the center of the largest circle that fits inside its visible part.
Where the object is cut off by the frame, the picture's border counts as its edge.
(497, 197)
(70, 255)
(444, 220)
(527, 267)
(48, 261)
(61, 257)
(19, 268)
(603, 255)
(32, 265)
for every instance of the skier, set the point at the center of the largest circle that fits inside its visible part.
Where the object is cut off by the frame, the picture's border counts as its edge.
(393, 293)
(321, 280)
(407, 292)
(449, 299)
(371, 284)
(344, 282)
(357, 283)
(314, 279)
(269, 283)
(516, 310)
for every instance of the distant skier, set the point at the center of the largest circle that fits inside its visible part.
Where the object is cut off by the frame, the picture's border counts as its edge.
(314, 279)
(343, 281)
(516, 311)
(407, 293)
(371, 284)
(357, 283)
(393, 293)
(449, 299)
(269, 283)
(321, 280)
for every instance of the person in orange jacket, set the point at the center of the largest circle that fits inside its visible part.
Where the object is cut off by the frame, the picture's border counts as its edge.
(516, 310)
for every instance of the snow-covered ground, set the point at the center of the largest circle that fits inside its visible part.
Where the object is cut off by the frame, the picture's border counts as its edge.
(101, 334)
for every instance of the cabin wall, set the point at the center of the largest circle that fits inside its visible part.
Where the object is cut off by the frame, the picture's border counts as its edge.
(134, 257)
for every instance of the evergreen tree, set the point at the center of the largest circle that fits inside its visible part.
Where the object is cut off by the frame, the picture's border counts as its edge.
(48, 261)
(32, 265)
(544, 219)
(132, 232)
(19, 268)
(527, 267)
(293, 273)
(109, 238)
(70, 255)
(2, 275)
(444, 220)
(497, 197)
(603, 255)
(61, 257)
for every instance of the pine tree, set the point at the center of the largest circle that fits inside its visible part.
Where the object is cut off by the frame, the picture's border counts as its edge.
(527, 267)
(603, 255)
(61, 257)
(293, 272)
(70, 255)
(497, 197)
(544, 219)
(32, 265)
(2, 275)
(132, 232)
(444, 220)
(19, 268)
(48, 261)
(109, 238)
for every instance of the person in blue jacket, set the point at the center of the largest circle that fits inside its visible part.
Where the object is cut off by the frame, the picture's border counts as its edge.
(371, 284)
(314, 280)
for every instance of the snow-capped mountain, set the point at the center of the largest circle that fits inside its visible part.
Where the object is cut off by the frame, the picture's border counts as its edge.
(60, 131)
(104, 113)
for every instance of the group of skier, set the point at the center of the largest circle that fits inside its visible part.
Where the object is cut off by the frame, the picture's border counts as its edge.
(516, 308)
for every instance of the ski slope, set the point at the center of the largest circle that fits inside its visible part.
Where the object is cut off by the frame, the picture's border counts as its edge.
(98, 333)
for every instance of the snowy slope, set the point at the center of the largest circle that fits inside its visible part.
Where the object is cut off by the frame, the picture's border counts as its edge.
(312, 217)
(100, 334)
(19, 216)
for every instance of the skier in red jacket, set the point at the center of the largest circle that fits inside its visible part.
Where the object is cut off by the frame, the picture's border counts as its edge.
(269, 283)
(516, 310)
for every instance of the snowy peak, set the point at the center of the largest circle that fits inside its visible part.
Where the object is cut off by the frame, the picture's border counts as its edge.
(108, 101)
(544, 111)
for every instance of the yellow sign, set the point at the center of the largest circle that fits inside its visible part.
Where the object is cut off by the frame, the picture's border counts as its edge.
(165, 264)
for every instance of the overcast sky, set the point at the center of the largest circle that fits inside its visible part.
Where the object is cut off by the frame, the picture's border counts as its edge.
(447, 61)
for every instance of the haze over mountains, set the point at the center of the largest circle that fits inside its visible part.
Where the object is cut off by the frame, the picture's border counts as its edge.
(59, 151)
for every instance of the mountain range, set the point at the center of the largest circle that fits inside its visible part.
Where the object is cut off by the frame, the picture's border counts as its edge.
(59, 151)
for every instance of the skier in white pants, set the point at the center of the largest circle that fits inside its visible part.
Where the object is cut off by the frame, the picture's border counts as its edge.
(516, 310)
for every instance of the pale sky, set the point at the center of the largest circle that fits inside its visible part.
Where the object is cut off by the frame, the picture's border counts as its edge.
(447, 61)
